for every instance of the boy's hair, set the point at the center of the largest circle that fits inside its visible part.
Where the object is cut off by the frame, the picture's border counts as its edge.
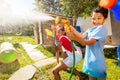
(102, 10)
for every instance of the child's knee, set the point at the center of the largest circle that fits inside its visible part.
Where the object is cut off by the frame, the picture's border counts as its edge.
(55, 71)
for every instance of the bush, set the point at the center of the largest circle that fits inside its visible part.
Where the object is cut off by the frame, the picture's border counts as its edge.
(110, 53)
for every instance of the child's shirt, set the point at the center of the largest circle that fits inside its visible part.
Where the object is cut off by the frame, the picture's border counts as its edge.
(66, 43)
(94, 63)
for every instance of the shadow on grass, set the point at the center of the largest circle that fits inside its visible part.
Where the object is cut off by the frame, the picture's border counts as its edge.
(115, 62)
(111, 53)
(9, 68)
(84, 76)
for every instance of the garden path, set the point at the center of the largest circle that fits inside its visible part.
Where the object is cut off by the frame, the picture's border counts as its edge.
(28, 71)
(33, 53)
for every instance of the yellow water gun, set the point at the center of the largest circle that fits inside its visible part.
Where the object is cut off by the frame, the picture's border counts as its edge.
(49, 33)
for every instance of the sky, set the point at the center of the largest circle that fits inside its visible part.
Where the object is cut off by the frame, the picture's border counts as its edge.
(18, 5)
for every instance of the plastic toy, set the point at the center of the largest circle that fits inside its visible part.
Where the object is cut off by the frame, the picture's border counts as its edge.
(113, 5)
(8, 54)
(107, 3)
(65, 25)
(49, 33)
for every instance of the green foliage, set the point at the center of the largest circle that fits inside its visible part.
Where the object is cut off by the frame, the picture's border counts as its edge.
(67, 7)
(78, 7)
(48, 6)
(39, 5)
(111, 53)
(29, 31)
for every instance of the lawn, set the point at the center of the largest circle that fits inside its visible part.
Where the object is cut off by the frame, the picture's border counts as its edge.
(113, 70)
(23, 59)
(7, 69)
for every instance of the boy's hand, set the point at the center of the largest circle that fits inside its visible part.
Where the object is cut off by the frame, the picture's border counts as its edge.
(71, 35)
(72, 29)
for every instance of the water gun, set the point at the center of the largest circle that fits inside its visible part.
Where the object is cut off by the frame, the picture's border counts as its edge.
(113, 5)
(49, 33)
(66, 26)
(64, 22)
(57, 20)
(8, 54)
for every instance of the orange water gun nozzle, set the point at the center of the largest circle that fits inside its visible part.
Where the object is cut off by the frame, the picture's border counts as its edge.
(66, 26)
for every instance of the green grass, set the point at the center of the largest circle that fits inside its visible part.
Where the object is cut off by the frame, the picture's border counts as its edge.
(48, 51)
(23, 59)
(16, 39)
(113, 70)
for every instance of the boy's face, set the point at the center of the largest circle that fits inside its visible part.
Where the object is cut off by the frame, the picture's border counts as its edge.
(97, 19)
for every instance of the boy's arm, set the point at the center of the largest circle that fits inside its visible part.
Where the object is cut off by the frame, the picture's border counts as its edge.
(75, 35)
(74, 31)
(80, 39)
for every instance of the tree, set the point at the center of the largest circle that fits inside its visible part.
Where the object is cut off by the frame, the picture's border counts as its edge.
(78, 8)
(69, 8)
(48, 6)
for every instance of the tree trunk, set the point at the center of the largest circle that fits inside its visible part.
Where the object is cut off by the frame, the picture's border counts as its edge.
(75, 20)
(36, 33)
(40, 32)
